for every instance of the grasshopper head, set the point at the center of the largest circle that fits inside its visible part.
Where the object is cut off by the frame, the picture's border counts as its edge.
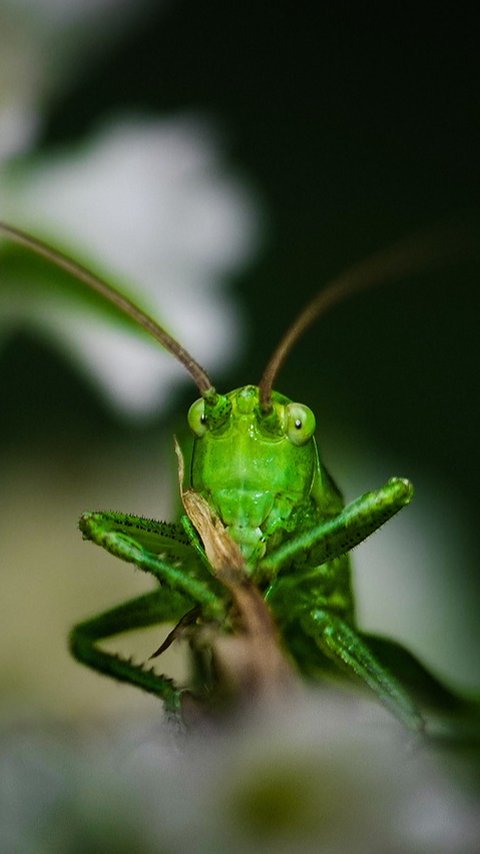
(256, 468)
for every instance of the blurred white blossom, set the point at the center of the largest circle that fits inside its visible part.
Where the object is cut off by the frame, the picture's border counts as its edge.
(321, 773)
(154, 203)
(151, 203)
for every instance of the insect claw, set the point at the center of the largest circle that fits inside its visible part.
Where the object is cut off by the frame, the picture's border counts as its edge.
(166, 643)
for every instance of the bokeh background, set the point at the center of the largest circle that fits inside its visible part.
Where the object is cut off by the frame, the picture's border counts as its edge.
(222, 162)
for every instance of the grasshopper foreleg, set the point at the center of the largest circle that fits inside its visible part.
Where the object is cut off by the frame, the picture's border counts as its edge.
(336, 536)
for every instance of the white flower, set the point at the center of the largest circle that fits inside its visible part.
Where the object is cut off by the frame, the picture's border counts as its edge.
(148, 203)
(152, 203)
(321, 773)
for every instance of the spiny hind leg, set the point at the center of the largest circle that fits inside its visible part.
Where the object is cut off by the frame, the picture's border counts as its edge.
(150, 609)
(340, 642)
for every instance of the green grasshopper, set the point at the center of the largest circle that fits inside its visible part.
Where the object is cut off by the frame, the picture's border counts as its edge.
(256, 468)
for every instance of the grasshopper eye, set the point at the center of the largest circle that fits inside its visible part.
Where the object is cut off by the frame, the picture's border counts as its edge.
(196, 418)
(299, 423)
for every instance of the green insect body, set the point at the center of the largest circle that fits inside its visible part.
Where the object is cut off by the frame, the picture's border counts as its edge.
(255, 462)
(292, 530)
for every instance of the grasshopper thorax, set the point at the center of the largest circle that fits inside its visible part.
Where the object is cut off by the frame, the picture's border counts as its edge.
(257, 469)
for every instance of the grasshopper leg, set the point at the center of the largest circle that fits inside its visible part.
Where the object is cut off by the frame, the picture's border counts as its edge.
(152, 608)
(154, 547)
(336, 536)
(340, 642)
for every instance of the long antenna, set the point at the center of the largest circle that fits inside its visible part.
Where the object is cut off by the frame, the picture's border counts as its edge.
(407, 257)
(122, 302)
